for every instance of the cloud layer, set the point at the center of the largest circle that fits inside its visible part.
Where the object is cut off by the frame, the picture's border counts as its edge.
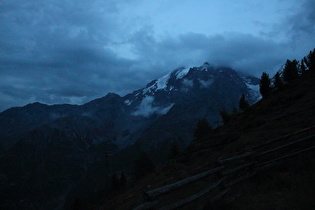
(71, 52)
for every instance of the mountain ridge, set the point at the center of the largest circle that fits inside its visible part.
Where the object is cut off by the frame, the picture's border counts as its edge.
(157, 98)
(39, 137)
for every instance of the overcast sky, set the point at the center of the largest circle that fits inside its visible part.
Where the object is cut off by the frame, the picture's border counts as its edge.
(73, 51)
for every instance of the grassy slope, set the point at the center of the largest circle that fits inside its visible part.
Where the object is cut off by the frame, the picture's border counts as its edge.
(289, 185)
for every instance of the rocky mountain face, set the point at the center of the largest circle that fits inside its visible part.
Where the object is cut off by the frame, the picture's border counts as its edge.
(48, 149)
(188, 94)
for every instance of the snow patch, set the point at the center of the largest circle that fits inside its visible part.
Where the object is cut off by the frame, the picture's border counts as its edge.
(253, 87)
(148, 90)
(158, 85)
(162, 82)
(254, 91)
(127, 102)
(182, 72)
(146, 108)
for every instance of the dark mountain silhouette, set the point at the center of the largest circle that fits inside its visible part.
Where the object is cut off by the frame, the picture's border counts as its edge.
(47, 150)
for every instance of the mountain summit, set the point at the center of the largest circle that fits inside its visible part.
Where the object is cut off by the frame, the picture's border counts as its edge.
(185, 95)
(184, 83)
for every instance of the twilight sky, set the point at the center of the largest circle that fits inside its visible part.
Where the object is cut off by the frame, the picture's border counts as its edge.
(73, 51)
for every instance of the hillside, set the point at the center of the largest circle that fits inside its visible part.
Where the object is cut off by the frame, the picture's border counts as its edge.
(287, 116)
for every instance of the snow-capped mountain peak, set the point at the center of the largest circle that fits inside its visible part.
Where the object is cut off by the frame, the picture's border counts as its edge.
(160, 95)
(178, 74)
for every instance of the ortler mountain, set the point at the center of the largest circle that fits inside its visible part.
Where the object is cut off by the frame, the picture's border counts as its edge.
(47, 150)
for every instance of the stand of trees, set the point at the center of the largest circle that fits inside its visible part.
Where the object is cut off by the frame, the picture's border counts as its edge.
(292, 70)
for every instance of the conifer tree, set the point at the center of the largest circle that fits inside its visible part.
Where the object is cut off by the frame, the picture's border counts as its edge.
(303, 67)
(243, 104)
(226, 117)
(203, 129)
(264, 85)
(278, 81)
(291, 70)
(309, 60)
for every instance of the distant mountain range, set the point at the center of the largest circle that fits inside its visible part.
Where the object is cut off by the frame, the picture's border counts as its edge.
(63, 140)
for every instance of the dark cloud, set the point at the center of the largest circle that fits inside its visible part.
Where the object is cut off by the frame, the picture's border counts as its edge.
(65, 51)
(244, 52)
(297, 29)
(53, 51)
(303, 21)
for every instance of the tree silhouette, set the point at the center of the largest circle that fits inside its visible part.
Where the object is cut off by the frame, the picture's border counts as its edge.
(291, 70)
(278, 81)
(243, 104)
(264, 85)
(303, 67)
(309, 60)
(202, 129)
